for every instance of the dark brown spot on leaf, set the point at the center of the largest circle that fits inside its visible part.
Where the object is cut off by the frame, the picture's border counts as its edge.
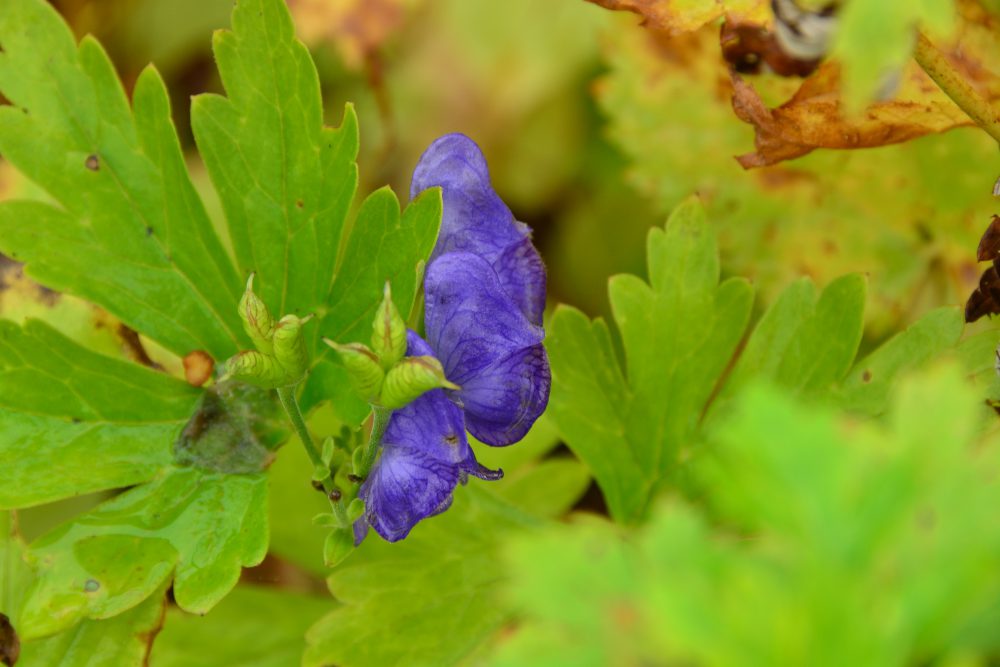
(866, 376)
(134, 347)
(92, 162)
(299, 203)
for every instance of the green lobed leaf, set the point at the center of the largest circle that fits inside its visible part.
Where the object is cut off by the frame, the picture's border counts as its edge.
(285, 181)
(201, 527)
(122, 641)
(883, 538)
(253, 627)
(680, 336)
(866, 388)
(679, 333)
(130, 233)
(436, 595)
(73, 421)
(805, 342)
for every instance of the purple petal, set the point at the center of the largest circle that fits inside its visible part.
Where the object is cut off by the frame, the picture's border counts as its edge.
(476, 220)
(424, 454)
(487, 345)
(522, 273)
(504, 400)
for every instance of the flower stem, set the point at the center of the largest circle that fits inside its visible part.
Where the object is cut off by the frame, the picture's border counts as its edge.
(955, 86)
(288, 401)
(380, 420)
(287, 397)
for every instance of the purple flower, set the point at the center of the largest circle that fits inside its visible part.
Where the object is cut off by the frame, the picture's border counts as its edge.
(484, 296)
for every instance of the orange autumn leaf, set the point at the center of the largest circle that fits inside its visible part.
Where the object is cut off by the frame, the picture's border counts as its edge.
(813, 118)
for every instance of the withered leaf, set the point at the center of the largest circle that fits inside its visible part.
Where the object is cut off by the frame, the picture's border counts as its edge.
(985, 300)
(989, 245)
(675, 17)
(813, 118)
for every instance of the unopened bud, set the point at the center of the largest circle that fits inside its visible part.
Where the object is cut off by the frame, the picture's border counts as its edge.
(388, 332)
(410, 378)
(362, 367)
(254, 368)
(257, 320)
(290, 347)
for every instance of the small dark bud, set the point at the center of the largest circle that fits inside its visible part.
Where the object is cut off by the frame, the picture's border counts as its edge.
(334, 495)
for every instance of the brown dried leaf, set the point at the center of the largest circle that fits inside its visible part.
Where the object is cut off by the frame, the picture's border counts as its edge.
(813, 118)
(679, 16)
(989, 245)
(985, 300)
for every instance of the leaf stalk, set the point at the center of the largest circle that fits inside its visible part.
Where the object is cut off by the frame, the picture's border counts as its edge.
(955, 86)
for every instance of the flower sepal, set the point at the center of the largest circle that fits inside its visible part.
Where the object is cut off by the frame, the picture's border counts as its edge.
(338, 546)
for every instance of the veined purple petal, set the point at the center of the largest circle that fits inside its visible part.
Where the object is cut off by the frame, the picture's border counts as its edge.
(476, 220)
(522, 274)
(424, 455)
(487, 346)
(504, 400)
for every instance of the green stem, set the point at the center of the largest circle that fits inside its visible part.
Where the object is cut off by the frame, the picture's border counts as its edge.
(288, 401)
(380, 420)
(955, 86)
(287, 397)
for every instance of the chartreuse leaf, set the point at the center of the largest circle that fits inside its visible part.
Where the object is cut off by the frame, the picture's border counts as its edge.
(253, 627)
(200, 526)
(855, 545)
(15, 580)
(435, 595)
(679, 333)
(74, 422)
(634, 429)
(866, 387)
(805, 341)
(285, 181)
(122, 641)
(129, 231)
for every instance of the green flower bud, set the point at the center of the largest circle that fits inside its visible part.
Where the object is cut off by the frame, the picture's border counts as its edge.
(257, 320)
(410, 378)
(388, 332)
(362, 367)
(338, 546)
(290, 347)
(254, 368)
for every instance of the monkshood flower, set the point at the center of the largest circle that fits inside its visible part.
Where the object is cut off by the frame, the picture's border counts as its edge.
(484, 294)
